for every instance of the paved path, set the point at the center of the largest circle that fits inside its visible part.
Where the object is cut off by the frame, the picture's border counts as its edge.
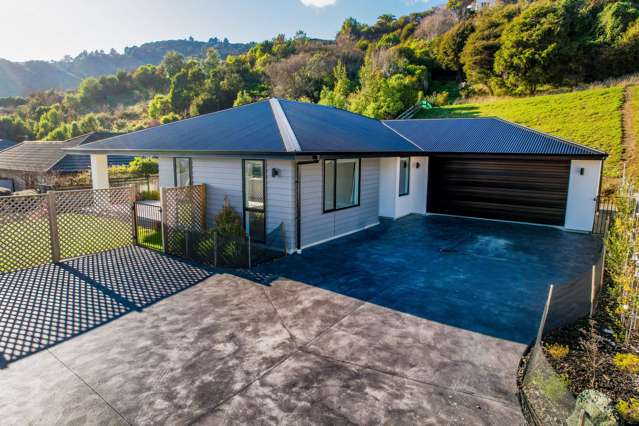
(422, 322)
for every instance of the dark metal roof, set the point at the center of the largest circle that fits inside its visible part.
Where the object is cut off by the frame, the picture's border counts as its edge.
(44, 156)
(249, 128)
(485, 136)
(76, 162)
(6, 143)
(323, 129)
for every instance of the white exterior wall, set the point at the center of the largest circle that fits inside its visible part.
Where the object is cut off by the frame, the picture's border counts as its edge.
(582, 194)
(393, 206)
(318, 227)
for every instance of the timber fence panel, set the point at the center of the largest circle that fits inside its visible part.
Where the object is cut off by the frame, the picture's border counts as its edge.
(24, 232)
(93, 221)
(184, 214)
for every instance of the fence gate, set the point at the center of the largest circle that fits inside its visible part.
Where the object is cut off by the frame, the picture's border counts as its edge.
(148, 224)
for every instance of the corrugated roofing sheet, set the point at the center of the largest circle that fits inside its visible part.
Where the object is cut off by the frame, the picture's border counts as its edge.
(249, 128)
(484, 136)
(6, 143)
(76, 163)
(323, 129)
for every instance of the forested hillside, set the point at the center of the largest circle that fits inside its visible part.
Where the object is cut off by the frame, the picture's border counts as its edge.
(377, 69)
(23, 78)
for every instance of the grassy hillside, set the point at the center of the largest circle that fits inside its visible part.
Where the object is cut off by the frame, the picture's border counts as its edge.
(589, 117)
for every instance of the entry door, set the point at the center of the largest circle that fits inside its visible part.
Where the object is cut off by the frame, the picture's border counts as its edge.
(255, 199)
(524, 190)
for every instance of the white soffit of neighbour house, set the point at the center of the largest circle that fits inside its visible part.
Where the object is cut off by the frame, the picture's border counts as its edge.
(288, 136)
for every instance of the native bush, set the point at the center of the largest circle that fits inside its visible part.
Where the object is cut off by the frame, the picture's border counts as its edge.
(557, 351)
(627, 362)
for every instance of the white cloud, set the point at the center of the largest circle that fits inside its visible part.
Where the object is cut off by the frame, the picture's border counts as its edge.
(318, 3)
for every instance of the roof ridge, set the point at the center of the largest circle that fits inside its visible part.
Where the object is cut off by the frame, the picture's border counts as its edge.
(401, 136)
(284, 126)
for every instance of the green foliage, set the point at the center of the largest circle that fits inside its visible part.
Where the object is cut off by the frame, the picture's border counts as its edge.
(159, 106)
(243, 98)
(460, 7)
(452, 44)
(170, 118)
(627, 362)
(614, 20)
(561, 115)
(228, 221)
(139, 167)
(14, 128)
(338, 95)
(629, 410)
(150, 195)
(553, 386)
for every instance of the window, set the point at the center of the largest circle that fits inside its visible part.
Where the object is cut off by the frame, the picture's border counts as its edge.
(341, 184)
(183, 172)
(404, 176)
(254, 199)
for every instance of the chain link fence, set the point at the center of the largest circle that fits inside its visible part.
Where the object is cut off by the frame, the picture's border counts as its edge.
(545, 397)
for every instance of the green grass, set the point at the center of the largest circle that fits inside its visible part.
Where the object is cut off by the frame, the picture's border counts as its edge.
(634, 107)
(25, 244)
(150, 238)
(589, 117)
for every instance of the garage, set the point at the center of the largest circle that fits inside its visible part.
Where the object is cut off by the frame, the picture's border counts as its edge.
(517, 189)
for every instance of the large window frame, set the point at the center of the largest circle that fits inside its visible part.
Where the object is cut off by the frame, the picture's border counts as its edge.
(401, 191)
(175, 172)
(334, 203)
(246, 210)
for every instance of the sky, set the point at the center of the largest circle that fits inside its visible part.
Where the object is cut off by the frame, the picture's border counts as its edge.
(50, 29)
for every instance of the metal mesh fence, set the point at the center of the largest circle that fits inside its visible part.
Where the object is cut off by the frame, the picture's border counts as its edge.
(545, 396)
(93, 221)
(25, 237)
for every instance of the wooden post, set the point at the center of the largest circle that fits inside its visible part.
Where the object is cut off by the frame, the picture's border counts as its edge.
(163, 218)
(542, 325)
(53, 227)
(203, 206)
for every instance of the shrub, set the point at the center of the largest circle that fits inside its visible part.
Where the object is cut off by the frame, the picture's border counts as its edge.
(553, 387)
(627, 362)
(557, 351)
(629, 410)
(150, 195)
(228, 221)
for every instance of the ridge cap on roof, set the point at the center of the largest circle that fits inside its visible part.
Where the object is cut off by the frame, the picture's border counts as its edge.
(284, 127)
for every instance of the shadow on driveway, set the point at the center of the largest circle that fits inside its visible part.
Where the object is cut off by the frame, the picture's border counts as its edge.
(44, 306)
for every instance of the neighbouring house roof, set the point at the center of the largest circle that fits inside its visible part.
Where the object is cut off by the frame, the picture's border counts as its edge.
(485, 136)
(45, 156)
(283, 127)
(6, 143)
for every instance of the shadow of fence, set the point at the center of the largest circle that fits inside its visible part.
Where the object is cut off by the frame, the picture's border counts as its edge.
(44, 306)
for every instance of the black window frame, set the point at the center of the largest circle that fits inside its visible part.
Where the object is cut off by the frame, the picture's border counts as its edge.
(359, 184)
(250, 209)
(408, 163)
(175, 182)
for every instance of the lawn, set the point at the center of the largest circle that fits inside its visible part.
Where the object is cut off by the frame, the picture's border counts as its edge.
(27, 243)
(589, 117)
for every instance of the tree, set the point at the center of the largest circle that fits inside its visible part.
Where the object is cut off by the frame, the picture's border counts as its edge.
(14, 128)
(169, 118)
(159, 106)
(172, 63)
(452, 44)
(50, 120)
(534, 47)
(461, 7)
(243, 98)
(338, 95)
(614, 20)
(478, 55)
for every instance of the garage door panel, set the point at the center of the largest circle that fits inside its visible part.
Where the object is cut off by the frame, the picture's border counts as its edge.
(521, 190)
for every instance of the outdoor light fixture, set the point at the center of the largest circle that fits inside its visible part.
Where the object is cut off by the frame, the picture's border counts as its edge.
(582, 171)
(275, 172)
(417, 165)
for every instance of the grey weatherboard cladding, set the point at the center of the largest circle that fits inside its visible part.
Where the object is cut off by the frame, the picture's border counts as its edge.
(485, 136)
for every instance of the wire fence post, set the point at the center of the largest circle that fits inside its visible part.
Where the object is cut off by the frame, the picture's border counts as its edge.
(215, 248)
(133, 196)
(249, 251)
(53, 227)
(544, 316)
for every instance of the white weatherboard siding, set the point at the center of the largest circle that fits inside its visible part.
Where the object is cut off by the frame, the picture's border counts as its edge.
(582, 194)
(280, 198)
(223, 178)
(165, 170)
(393, 206)
(317, 226)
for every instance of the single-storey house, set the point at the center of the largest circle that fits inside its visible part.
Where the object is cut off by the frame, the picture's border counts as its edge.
(31, 163)
(325, 172)
(6, 144)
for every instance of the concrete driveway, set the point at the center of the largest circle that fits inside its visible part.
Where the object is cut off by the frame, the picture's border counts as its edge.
(418, 321)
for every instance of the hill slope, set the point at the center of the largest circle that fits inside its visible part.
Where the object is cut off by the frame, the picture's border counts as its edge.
(589, 117)
(22, 78)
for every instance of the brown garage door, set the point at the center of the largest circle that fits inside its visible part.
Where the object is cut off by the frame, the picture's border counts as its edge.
(513, 189)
